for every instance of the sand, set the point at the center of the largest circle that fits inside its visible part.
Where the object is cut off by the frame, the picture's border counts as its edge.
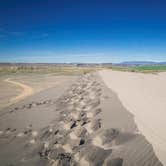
(80, 122)
(7, 91)
(144, 95)
(19, 86)
(26, 91)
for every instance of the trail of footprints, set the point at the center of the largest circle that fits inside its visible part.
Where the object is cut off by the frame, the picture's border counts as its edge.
(75, 141)
(21, 108)
(75, 137)
(32, 105)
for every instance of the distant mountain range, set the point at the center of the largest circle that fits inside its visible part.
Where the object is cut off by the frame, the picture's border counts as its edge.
(134, 63)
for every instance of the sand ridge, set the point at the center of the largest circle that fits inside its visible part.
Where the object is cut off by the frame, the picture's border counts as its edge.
(77, 135)
(144, 96)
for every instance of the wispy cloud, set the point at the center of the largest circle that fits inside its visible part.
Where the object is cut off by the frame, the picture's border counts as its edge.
(4, 33)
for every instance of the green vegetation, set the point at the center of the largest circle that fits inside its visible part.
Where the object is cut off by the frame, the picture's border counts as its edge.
(143, 69)
(47, 69)
(74, 70)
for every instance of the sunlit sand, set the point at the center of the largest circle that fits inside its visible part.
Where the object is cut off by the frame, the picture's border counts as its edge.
(26, 91)
(144, 95)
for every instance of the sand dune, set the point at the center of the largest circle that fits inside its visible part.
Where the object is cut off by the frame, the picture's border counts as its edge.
(85, 124)
(144, 95)
(27, 91)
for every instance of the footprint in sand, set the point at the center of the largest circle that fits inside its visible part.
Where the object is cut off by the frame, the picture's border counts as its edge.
(94, 125)
(93, 113)
(79, 131)
(94, 156)
(105, 138)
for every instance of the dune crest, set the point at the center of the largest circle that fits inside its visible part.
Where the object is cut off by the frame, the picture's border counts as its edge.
(144, 96)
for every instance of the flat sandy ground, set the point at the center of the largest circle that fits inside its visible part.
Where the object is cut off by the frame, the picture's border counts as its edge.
(70, 120)
(26, 90)
(144, 95)
(7, 92)
(16, 87)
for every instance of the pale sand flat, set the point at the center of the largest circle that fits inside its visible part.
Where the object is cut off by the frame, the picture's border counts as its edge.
(27, 91)
(144, 95)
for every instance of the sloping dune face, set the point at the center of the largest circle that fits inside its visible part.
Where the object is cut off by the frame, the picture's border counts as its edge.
(144, 95)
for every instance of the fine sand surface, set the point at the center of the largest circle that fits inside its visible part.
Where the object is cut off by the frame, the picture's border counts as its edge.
(7, 91)
(26, 91)
(17, 87)
(80, 122)
(144, 95)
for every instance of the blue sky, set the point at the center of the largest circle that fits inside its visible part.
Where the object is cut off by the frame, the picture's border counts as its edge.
(82, 30)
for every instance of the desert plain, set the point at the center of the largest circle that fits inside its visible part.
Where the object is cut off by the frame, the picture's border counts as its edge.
(94, 118)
